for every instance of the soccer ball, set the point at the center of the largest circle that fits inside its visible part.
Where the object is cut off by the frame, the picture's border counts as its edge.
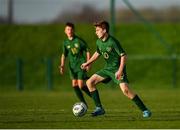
(79, 109)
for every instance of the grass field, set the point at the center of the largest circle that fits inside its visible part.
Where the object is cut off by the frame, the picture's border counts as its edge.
(36, 107)
(45, 109)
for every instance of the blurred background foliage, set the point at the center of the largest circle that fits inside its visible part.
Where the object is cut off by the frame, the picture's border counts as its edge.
(35, 43)
(29, 33)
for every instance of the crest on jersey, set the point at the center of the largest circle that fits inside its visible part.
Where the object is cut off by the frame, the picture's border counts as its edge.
(76, 45)
(108, 49)
(68, 46)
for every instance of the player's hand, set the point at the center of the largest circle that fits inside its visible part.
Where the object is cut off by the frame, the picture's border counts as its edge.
(88, 68)
(118, 75)
(84, 66)
(61, 69)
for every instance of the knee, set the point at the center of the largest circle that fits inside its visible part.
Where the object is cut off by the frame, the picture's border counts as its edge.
(81, 86)
(128, 93)
(74, 84)
(125, 91)
(88, 82)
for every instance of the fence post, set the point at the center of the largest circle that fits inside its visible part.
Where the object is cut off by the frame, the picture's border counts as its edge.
(174, 71)
(112, 18)
(19, 74)
(49, 73)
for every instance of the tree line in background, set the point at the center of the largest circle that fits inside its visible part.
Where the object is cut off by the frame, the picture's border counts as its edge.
(89, 14)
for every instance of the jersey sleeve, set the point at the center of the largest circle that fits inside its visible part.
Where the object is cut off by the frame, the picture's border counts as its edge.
(97, 49)
(64, 50)
(119, 50)
(84, 45)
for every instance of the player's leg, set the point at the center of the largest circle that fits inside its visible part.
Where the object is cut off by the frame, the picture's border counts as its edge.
(77, 91)
(135, 98)
(91, 83)
(82, 85)
(126, 91)
(123, 83)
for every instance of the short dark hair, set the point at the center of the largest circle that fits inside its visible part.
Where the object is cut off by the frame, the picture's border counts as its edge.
(70, 25)
(102, 24)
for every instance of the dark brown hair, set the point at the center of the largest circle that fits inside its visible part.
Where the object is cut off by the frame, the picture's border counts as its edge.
(103, 25)
(70, 25)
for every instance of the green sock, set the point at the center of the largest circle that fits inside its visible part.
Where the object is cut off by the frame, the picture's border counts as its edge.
(95, 96)
(79, 94)
(86, 90)
(139, 103)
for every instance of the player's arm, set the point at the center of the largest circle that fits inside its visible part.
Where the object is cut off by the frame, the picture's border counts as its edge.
(121, 67)
(61, 67)
(63, 58)
(122, 55)
(91, 60)
(88, 56)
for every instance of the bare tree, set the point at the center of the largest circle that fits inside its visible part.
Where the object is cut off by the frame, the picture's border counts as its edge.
(87, 14)
(10, 11)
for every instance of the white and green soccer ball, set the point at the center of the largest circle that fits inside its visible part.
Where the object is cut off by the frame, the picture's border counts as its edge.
(79, 109)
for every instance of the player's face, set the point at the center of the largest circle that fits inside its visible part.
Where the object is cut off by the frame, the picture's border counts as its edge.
(100, 32)
(69, 31)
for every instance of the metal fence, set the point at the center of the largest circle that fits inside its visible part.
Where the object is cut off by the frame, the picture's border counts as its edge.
(21, 75)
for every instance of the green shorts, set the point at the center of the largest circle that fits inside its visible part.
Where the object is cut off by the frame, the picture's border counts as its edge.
(81, 74)
(110, 75)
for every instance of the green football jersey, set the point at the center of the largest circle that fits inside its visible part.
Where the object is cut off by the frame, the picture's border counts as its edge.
(75, 50)
(111, 50)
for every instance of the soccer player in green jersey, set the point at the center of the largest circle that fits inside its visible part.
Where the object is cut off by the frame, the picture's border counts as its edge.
(76, 50)
(115, 69)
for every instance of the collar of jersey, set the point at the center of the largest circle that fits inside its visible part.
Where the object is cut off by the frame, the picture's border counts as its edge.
(72, 38)
(106, 39)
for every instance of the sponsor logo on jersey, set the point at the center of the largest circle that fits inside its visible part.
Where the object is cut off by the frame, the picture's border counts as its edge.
(76, 45)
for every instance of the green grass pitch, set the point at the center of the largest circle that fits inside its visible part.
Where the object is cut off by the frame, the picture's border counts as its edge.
(54, 110)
